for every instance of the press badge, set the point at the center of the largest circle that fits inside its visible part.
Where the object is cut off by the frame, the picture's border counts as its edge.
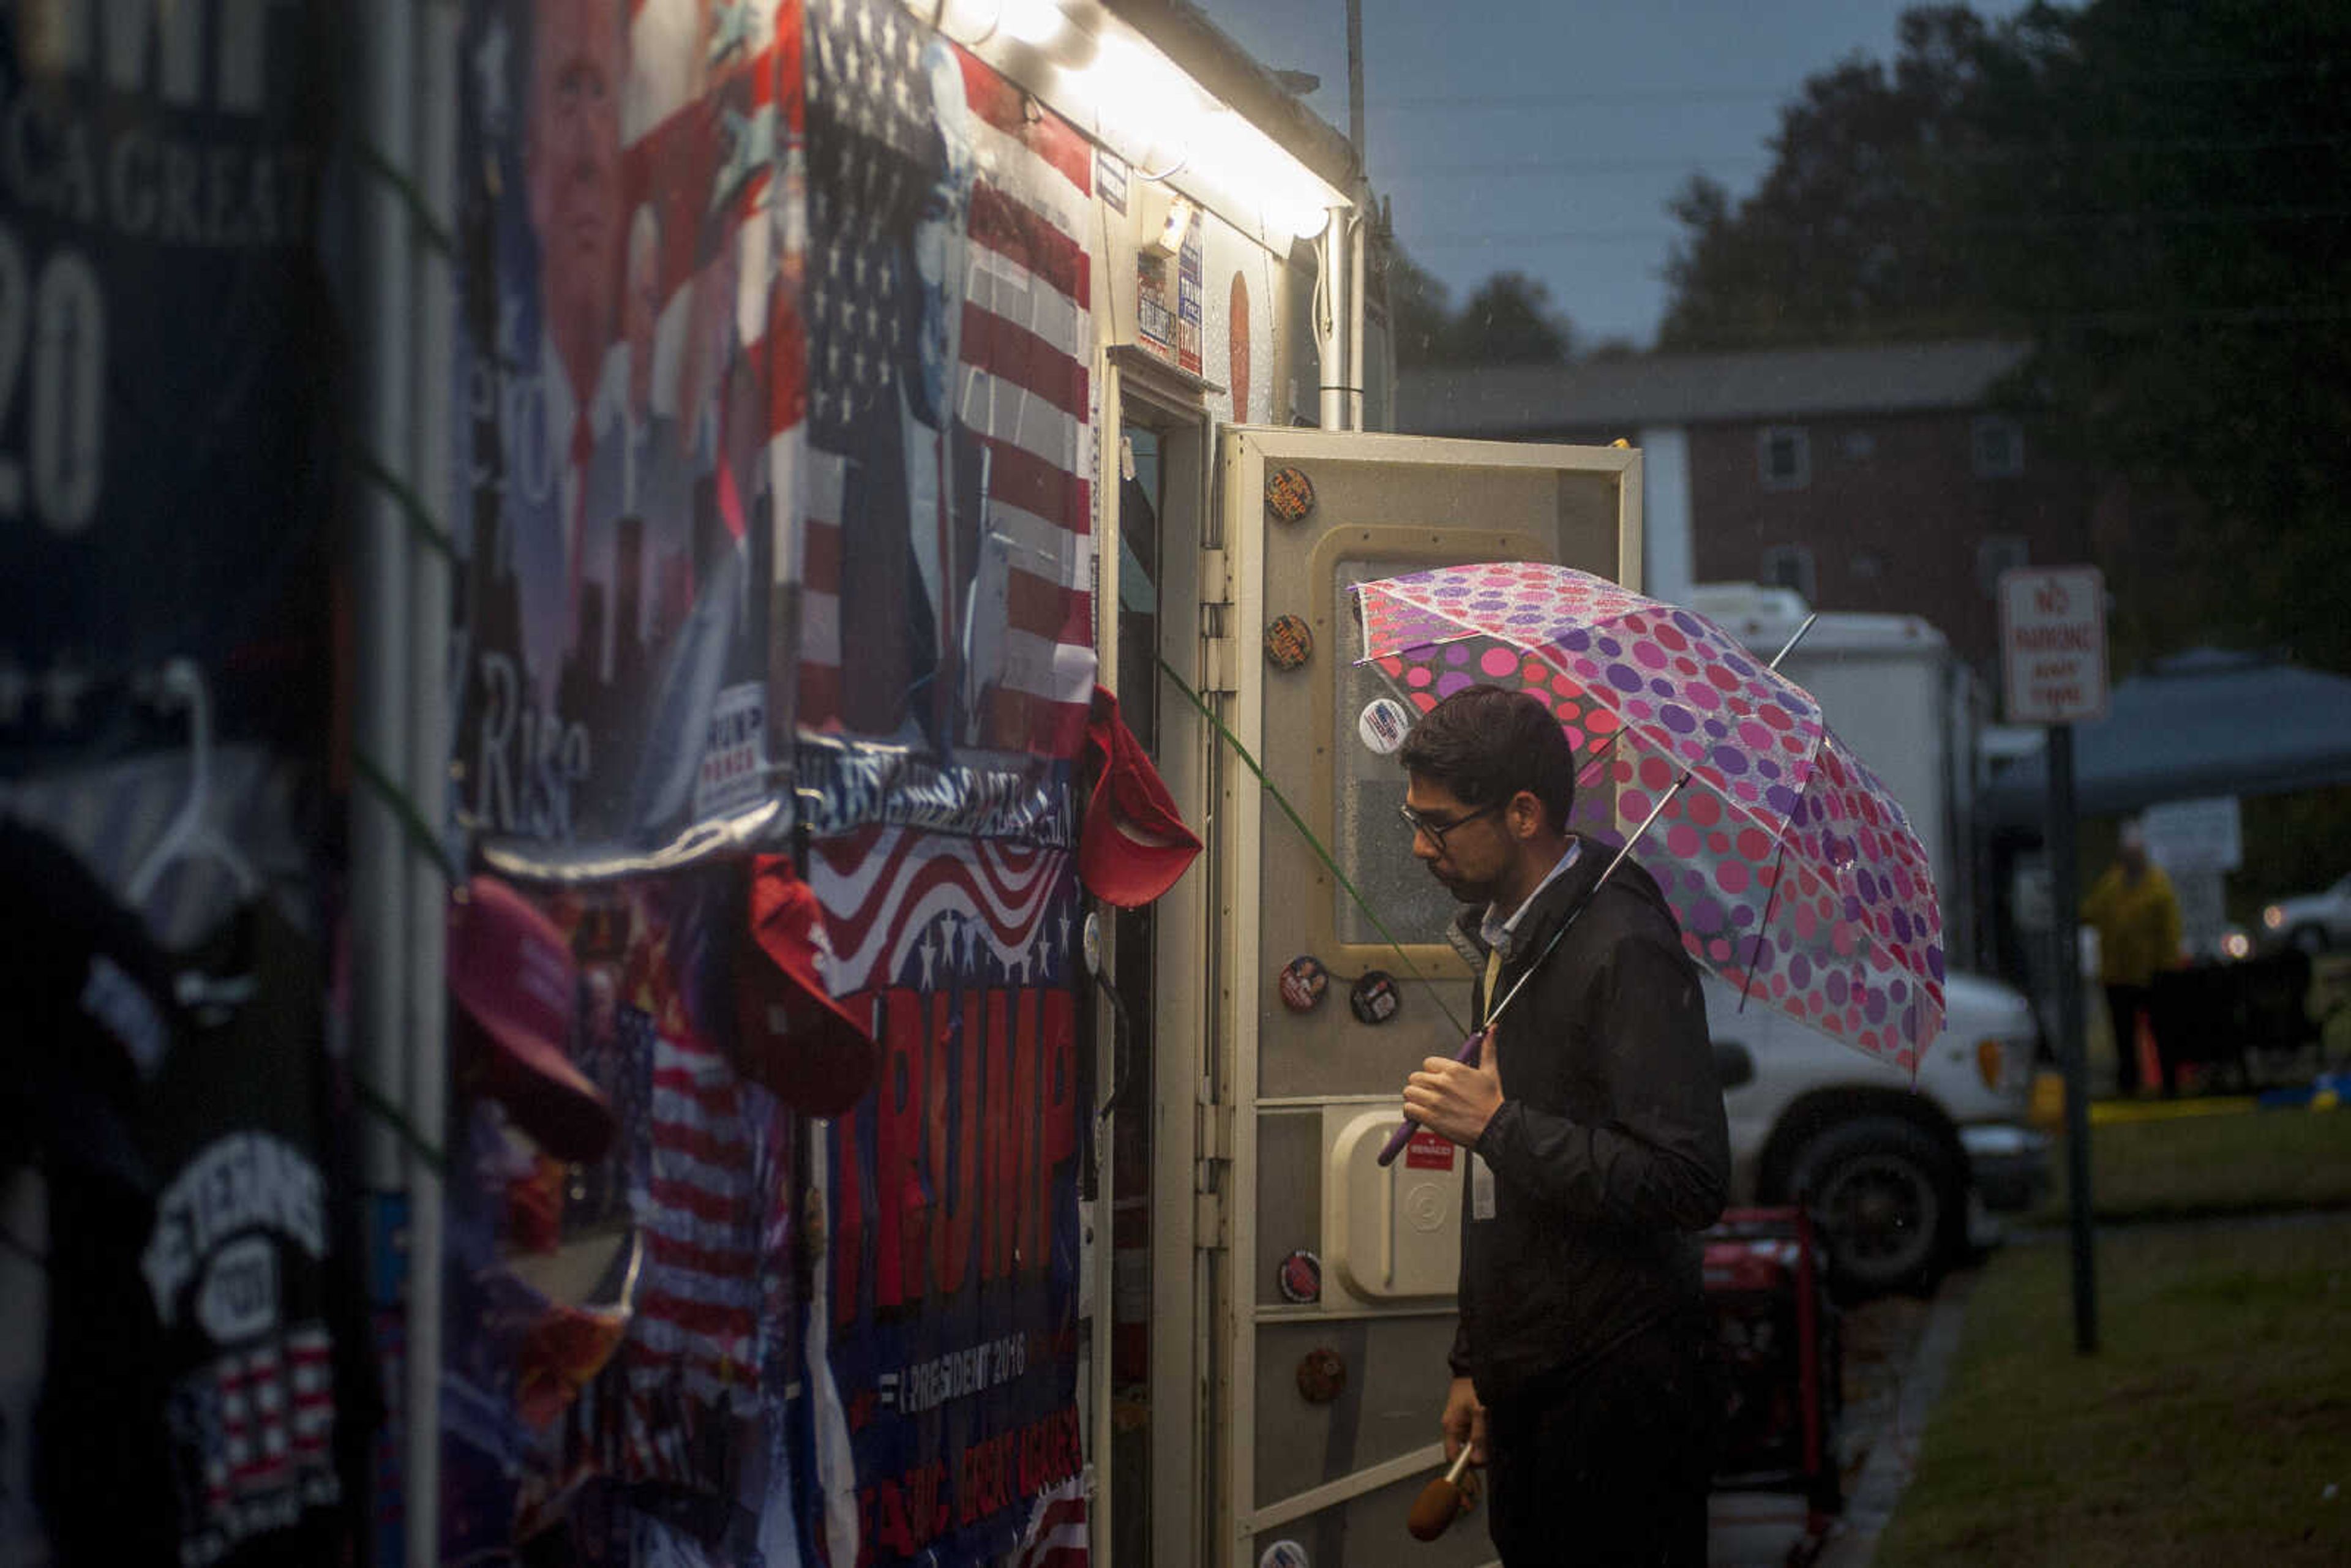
(1481, 1187)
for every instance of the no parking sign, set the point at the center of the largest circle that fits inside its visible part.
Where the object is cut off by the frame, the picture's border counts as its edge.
(2052, 643)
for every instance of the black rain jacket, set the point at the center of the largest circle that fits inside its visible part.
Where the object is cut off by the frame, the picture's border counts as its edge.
(1610, 1148)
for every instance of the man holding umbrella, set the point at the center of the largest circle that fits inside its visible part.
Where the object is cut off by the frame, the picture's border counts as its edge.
(1582, 1367)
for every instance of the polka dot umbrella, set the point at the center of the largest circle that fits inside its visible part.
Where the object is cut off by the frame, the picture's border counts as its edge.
(1795, 876)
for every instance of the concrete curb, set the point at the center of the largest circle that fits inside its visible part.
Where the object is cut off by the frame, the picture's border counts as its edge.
(1893, 1457)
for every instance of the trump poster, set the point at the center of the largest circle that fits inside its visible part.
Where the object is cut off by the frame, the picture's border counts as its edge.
(628, 390)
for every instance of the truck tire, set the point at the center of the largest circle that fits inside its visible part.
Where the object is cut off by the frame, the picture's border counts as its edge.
(1887, 1195)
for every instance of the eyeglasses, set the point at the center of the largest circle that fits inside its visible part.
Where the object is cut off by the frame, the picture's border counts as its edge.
(1437, 829)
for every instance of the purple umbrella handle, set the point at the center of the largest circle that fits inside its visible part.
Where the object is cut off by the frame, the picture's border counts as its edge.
(1403, 1134)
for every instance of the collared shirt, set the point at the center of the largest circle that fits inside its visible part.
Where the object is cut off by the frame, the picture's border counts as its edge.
(1495, 929)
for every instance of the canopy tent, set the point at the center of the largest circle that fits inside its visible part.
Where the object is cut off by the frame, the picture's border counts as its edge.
(2202, 723)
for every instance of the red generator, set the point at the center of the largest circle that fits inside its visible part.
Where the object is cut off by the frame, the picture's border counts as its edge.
(1767, 1285)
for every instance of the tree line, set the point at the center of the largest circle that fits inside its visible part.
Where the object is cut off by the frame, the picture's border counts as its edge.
(1508, 319)
(2155, 194)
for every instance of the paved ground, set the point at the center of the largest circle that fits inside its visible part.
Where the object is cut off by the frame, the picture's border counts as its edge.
(1908, 1381)
(1895, 1351)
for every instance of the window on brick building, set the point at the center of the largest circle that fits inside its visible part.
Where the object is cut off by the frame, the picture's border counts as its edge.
(1996, 553)
(1788, 565)
(1999, 447)
(1784, 454)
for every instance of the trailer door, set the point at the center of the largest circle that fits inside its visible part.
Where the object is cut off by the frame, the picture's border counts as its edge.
(1332, 1280)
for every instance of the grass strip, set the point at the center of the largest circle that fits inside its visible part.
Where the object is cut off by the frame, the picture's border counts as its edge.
(2213, 1428)
(2208, 1167)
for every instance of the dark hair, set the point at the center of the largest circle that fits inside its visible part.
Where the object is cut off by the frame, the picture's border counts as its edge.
(1485, 744)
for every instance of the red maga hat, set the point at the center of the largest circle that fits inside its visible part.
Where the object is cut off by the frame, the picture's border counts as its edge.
(812, 1053)
(515, 985)
(1134, 844)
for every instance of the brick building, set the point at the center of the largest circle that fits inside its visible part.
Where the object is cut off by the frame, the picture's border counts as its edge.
(1872, 478)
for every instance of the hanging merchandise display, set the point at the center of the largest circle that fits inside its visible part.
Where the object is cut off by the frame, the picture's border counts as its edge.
(513, 981)
(948, 220)
(634, 375)
(1135, 844)
(169, 349)
(950, 1304)
(209, 1391)
(1288, 642)
(173, 398)
(943, 698)
(622, 1320)
(684, 798)
(812, 1052)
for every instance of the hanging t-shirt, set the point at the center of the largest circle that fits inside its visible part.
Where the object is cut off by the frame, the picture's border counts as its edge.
(207, 1385)
(252, 1264)
(89, 1009)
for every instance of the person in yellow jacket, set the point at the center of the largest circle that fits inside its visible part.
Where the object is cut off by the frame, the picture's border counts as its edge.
(2136, 916)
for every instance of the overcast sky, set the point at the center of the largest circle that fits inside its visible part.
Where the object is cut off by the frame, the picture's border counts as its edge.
(1546, 137)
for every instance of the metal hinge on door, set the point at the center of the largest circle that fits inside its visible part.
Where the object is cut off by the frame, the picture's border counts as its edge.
(1213, 1152)
(1216, 577)
(1209, 1221)
(1215, 1126)
(1219, 652)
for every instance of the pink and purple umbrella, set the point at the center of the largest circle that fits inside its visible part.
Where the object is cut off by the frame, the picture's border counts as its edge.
(1795, 876)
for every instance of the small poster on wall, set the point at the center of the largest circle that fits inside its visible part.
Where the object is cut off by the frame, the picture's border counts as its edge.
(1154, 312)
(1168, 307)
(1189, 269)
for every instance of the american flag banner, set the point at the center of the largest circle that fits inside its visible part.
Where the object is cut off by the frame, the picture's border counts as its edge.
(933, 906)
(945, 569)
(690, 1380)
(948, 1309)
(694, 1373)
(253, 1430)
(701, 1179)
(698, 1302)
(1056, 1537)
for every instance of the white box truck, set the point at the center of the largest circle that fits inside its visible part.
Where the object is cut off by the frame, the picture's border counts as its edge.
(1904, 1173)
